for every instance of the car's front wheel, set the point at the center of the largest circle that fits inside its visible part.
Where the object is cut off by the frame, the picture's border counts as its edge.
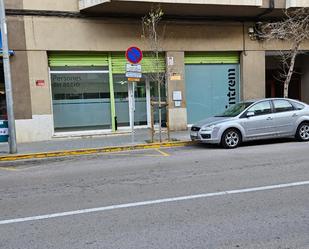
(302, 133)
(231, 139)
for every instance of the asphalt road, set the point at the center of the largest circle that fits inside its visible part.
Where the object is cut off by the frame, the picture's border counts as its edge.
(127, 200)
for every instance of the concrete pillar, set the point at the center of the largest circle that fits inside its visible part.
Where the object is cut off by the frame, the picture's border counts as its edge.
(38, 124)
(305, 79)
(20, 85)
(253, 74)
(39, 83)
(176, 84)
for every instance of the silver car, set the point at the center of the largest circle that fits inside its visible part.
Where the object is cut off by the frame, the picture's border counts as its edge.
(253, 120)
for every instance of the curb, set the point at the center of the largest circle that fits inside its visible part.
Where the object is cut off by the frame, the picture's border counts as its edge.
(80, 152)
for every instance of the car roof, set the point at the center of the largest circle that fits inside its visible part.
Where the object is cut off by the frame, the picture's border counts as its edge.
(252, 101)
(261, 99)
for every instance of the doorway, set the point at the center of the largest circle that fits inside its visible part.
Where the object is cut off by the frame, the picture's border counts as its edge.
(275, 86)
(275, 82)
(124, 99)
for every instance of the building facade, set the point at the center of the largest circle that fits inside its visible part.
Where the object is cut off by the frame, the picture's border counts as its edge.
(68, 69)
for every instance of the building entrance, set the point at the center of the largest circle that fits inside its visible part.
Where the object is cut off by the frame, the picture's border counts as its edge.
(298, 88)
(122, 102)
(274, 85)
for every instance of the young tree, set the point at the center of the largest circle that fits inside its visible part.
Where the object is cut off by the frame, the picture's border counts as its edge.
(150, 25)
(294, 29)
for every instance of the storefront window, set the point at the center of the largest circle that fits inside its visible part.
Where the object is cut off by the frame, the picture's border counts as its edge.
(81, 98)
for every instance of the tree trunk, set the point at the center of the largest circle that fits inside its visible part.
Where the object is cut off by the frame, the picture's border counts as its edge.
(291, 70)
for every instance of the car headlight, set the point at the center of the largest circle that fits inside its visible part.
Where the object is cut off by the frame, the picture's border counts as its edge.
(208, 128)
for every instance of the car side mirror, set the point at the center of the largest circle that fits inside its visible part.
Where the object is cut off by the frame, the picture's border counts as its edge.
(250, 114)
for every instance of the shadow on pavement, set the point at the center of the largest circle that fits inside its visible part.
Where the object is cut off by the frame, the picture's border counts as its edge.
(269, 141)
(247, 144)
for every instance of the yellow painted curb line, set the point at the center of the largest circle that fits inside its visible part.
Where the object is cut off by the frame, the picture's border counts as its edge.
(80, 152)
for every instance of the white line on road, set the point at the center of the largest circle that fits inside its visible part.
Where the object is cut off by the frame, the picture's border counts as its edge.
(153, 202)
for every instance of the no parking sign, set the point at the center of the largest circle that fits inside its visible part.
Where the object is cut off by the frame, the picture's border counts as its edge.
(134, 55)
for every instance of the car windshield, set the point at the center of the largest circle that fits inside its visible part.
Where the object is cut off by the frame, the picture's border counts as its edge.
(235, 110)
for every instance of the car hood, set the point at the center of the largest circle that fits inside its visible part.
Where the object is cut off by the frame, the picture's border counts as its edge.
(213, 121)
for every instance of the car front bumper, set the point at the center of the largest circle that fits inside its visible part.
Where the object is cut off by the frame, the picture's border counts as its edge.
(210, 137)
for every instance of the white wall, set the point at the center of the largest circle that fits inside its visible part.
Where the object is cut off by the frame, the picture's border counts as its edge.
(39, 128)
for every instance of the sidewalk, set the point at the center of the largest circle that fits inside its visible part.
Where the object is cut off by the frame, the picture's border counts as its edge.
(142, 136)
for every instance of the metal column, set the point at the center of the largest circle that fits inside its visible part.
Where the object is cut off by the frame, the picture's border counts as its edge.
(8, 81)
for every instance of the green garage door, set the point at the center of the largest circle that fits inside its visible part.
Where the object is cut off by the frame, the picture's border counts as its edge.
(212, 83)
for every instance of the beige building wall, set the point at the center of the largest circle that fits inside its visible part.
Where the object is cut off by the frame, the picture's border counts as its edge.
(51, 5)
(32, 104)
(253, 74)
(16, 33)
(44, 34)
(38, 71)
(69, 34)
(19, 68)
(20, 85)
(51, 33)
(13, 4)
(176, 82)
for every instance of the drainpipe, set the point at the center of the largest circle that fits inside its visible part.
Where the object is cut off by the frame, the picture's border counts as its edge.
(268, 10)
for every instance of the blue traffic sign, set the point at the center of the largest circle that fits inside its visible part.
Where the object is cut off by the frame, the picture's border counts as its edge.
(134, 55)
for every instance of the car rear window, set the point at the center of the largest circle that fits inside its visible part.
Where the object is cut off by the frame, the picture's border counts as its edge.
(283, 105)
(298, 106)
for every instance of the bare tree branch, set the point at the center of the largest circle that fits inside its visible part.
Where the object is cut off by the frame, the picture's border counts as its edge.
(150, 24)
(294, 28)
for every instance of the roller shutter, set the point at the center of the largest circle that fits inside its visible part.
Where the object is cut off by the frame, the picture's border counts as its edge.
(212, 83)
(59, 59)
(119, 62)
(212, 58)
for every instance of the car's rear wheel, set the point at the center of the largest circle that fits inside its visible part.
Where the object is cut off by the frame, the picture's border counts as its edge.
(231, 139)
(302, 133)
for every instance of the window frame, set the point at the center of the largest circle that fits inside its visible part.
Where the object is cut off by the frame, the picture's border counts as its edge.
(295, 103)
(286, 100)
(257, 115)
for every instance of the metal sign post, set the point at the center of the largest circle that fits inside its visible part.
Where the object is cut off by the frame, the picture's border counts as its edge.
(133, 72)
(131, 87)
(8, 81)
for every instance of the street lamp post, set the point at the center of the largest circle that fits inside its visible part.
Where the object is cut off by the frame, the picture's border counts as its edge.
(8, 80)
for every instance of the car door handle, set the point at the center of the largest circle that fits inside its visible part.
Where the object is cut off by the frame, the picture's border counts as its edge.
(269, 118)
(294, 115)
